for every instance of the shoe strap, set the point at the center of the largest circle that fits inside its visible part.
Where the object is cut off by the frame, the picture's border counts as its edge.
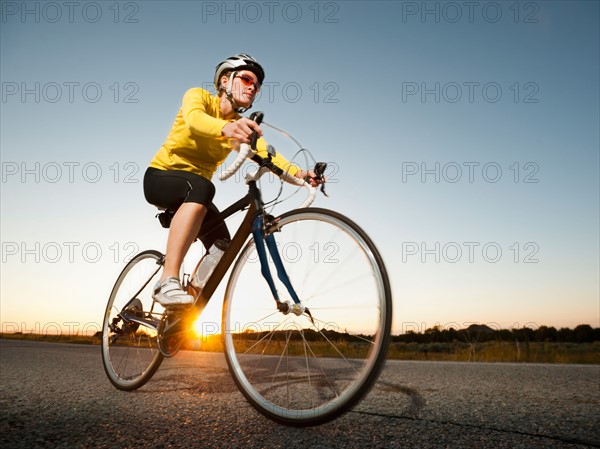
(170, 287)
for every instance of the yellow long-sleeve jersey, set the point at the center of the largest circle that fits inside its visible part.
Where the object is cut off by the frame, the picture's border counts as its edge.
(195, 142)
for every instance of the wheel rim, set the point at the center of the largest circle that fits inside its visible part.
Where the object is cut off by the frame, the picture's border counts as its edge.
(129, 349)
(287, 366)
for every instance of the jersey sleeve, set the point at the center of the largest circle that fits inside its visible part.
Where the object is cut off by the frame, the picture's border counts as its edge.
(194, 108)
(279, 160)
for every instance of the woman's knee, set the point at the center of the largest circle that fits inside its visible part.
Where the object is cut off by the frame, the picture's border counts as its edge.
(195, 210)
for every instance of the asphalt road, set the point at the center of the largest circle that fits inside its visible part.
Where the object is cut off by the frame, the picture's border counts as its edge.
(56, 395)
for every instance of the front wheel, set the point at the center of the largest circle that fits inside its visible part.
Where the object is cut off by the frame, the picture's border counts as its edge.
(309, 368)
(130, 354)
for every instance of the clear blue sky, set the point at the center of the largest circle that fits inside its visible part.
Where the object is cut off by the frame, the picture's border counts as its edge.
(465, 138)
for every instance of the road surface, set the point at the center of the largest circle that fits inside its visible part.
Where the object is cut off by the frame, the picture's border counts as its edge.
(57, 395)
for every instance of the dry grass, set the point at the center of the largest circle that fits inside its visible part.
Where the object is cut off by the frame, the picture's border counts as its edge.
(588, 353)
(534, 352)
(75, 339)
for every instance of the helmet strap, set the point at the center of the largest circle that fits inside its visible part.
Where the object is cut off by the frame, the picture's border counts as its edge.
(229, 95)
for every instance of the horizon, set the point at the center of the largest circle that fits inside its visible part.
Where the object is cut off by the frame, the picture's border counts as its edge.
(464, 139)
(211, 328)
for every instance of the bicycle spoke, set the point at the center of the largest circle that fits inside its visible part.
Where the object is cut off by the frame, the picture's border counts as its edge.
(341, 284)
(303, 370)
(259, 341)
(336, 349)
(129, 352)
(279, 362)
(319, 365)
(270, 335)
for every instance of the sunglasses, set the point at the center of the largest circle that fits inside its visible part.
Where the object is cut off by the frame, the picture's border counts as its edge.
(248, 81)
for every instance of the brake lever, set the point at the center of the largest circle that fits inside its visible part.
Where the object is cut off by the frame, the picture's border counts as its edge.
(257, 117)
(323, 190)
(319, 170)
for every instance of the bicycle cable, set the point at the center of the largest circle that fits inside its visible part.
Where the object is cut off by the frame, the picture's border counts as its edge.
(304, 151)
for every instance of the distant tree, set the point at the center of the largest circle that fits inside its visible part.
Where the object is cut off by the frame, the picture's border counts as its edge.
(433, 334)
(583, 333)
(524, 334)
(545, 333)
(504, 335)
(452, 335)
(565, 335)
(477, 333)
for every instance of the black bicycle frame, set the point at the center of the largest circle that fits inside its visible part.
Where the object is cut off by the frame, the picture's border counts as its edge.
(253, 202)
(253, 223)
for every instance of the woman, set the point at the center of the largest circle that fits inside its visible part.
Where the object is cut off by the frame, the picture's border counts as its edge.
(206, 129)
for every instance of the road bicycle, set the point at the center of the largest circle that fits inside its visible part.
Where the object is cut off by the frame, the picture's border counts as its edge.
(304, 347)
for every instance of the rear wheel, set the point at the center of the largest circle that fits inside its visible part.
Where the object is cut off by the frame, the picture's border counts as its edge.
(130, 354)
(310, 367)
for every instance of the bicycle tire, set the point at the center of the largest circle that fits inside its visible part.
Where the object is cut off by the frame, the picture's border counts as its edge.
(344, 370)
(130, 355)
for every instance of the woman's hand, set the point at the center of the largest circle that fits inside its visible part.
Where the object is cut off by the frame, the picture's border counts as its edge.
(310, 177)
(241, 130)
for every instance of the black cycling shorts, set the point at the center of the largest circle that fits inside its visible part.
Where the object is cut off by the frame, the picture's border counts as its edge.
(169, 189)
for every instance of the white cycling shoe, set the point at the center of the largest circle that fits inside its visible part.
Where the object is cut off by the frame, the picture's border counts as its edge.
(169, 293)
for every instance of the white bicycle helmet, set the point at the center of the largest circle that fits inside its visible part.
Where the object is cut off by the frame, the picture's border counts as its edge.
(241, 61)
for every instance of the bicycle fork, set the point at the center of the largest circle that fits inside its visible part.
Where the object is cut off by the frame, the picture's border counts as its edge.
(260, 240)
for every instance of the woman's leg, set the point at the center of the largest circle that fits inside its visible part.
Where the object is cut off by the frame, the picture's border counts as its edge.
(188, 194)
(213, 228)
(182, 233)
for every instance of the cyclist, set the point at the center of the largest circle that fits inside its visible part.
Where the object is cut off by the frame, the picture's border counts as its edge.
(206, 129)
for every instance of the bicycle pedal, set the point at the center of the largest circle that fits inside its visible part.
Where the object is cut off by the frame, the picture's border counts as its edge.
(169, 345)
(178, 307)
(173, 324)
(171, 332)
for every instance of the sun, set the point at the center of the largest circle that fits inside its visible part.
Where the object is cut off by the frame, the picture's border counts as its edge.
(209, 322)
(204, 328)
